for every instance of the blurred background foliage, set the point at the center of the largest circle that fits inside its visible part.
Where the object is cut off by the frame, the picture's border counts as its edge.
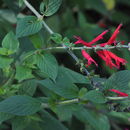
(85, 18)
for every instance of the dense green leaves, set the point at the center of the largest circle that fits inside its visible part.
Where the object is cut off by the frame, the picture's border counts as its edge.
(28, 87)
(28, 26)
(23, 72)
(20, 105)
(64, 89)
(51, 7)
(50, 123)
(10, 43)
(95, 96)
(5, 61)
(5, 116)
(68, 75)
(47, 65)
(36, 40)
(97, 121)
(118, 81)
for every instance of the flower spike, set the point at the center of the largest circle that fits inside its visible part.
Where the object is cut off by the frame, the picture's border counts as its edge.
(120, 94)
(89, 58)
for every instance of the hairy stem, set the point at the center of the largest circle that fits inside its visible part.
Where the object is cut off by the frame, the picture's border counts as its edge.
(51, 32)
(86, 48)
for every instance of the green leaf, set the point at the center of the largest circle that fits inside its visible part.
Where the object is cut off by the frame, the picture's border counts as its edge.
(65, 112)
(71, 76)
(121, 117)
(64, 89)
(36, 40)
(49, 119)
(11, 43)
(23, 72)
(5, 116)
(94, 96)
(52, 7)
(97, 121)
(4, 51)
(28, 26)
(110, 4)
(5, 62)
(42, 7)
(118, 81)
(20, 105)
(17, 123)
(57, 38)
(28, 87)
(20, 3)
(48, 65)
(98, 5)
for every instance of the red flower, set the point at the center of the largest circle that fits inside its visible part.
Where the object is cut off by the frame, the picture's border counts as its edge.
(120, 94)
(89, 58)
(112, 38)
(110, 57)
(89, 44)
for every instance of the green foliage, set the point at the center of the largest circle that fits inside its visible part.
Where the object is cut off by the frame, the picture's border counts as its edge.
(10, 43)
(22, 73)
(119, 81)
(94, 96)
(20, 105)
(97, 121)
(47, 65)
(49, 119)
(28, 26)
(5, 116)
(5, 61)
(41, 86)
(51, 7)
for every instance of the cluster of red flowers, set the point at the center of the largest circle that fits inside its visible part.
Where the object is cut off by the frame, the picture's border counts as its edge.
(110, 58)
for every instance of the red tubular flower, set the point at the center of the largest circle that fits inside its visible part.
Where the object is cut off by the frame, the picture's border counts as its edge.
(112, 38)
(89, 58)
(89, 44)
(117, 59)
(109, 57)
(120, 94)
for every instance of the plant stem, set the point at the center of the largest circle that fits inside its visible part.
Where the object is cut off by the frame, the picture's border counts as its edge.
(76, 100)
(86, 48)
(51, 32)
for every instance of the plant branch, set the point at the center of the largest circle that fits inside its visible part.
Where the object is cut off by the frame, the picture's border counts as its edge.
(87, 48)
(51, 32)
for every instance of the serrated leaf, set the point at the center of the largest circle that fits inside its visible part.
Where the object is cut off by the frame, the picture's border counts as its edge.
(28, 26)
(71, 76)
(5, 62)
(97, 121)
(28, 87)
(5, 116)
(52, 7)
(20, 105)
(36, 40)
(48, 65)
(42, 7)
(11, 43)
(49, 119)
(23, 72)
(64, 89)
(94, 96)
(118, 81)
(17, 123)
